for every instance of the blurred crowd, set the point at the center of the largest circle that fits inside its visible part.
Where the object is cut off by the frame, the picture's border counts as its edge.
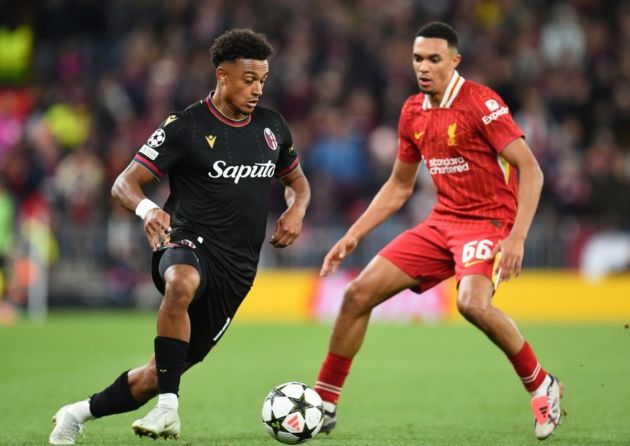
(83, 84)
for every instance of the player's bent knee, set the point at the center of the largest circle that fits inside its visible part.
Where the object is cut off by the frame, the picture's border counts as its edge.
(181, 287)
(355, 298)
(471, 307)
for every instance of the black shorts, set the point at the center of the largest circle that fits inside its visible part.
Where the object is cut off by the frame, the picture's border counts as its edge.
(215, 301)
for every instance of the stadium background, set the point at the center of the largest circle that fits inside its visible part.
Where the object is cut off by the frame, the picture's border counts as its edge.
(84, 83)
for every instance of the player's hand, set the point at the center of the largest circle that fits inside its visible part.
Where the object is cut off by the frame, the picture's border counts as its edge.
(510, 264)
(337, 253)
(288, 228)
(157, 227)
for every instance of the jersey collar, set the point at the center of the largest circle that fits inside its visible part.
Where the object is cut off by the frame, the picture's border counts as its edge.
(452, 89)
(221, 117)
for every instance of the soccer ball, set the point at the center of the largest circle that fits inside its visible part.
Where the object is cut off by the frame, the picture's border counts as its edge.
(293, 413)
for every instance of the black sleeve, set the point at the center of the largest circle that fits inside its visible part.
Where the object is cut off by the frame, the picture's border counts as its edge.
(287, 158)
(164, 148)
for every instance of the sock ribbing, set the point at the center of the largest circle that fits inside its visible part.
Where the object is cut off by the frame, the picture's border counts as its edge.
(332, 376)
(528, 368)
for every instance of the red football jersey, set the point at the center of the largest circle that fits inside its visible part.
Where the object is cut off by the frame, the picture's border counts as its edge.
(461, 143)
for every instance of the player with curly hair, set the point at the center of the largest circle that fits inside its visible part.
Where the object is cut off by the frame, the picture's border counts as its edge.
(221, 154)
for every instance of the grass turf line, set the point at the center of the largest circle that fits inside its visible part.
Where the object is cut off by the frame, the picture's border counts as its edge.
(410, 384)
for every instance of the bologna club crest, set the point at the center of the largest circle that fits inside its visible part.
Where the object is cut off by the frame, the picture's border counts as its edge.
(272, 142)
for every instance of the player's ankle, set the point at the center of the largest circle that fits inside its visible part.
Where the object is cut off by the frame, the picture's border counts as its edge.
(330, 406)
(81, 411)
(169, 400)
(542, 388)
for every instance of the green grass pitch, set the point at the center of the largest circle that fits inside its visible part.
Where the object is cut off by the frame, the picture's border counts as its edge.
(410, 385)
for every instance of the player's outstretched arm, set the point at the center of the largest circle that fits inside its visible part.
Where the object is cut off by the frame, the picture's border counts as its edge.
(297, 194)
(392, 195)
(127, 190)
(530, 183)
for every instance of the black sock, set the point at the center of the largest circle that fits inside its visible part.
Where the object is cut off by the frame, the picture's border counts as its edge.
(170, 357)
(116, 398)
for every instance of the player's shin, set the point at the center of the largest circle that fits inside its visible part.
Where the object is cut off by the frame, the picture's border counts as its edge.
(170, 358)
(330, 381)
(116, 398)
(528, 368)
(332, 376)
(163, 420)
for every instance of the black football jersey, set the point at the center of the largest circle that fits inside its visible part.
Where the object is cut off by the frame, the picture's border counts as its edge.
(220, 175)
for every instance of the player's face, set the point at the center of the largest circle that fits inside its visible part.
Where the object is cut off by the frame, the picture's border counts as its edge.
(241, 83)
(433, 63)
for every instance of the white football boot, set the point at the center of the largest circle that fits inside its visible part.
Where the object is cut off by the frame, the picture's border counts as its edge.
(546, 408)
(69, 422)
(330, 418)
(161, 422)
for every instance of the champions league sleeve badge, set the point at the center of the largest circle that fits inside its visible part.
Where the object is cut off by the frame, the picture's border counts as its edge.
(157, 138)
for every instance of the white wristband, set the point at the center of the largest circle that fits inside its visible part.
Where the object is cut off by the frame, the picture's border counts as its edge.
(145, 206)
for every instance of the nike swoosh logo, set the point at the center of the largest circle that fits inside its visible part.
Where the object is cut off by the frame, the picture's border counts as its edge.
(474, 262)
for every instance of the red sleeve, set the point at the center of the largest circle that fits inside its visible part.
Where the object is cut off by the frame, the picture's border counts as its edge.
(407, 150)
(494, 119)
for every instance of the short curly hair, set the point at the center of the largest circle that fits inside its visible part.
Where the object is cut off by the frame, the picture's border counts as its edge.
(240, 44)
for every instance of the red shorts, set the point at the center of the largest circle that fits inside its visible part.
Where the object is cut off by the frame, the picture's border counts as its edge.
(434, 254)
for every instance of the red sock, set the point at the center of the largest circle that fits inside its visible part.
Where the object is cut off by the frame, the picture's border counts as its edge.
(331, 377)
(528, 368)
